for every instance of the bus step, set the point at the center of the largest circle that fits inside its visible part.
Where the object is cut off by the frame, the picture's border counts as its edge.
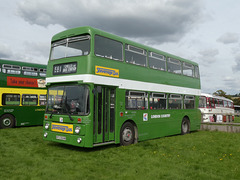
(105, 143)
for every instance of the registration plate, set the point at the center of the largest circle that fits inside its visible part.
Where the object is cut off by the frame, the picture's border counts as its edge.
(61, 138)
(63, 128)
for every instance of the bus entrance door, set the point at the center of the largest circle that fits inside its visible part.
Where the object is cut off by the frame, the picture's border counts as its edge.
(104, 115)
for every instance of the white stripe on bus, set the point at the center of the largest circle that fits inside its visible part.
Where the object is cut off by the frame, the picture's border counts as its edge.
(125, 84)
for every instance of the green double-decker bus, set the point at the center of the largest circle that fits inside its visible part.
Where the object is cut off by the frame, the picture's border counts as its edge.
(22, 93)
(104, 89)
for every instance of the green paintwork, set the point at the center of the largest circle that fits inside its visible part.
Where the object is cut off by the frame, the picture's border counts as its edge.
(153, 128)
(27, 115)
(3, 76)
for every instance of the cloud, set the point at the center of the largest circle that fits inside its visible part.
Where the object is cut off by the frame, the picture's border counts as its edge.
(35, 52)
(229, 38)
(5, 52)
(231, 84)
(38, 48)
(156, 21)
(236, 67)
(208, 56)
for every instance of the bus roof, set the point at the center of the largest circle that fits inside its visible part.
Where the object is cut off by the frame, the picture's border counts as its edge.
(216, 97)
(21, 63)
(92, 31)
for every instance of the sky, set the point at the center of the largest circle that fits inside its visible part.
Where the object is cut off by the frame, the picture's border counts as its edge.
(204, 31)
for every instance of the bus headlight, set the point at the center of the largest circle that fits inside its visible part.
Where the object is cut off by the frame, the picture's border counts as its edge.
(79, 140)
(77, 129)
(46, 125)
(45, 134)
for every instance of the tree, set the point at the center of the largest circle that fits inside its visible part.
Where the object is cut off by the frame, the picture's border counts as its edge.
(236, 101)
(222, 93)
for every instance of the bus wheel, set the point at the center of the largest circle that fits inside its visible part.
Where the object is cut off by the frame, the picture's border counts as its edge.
(127, 134)
(185, 126)
(7, 121)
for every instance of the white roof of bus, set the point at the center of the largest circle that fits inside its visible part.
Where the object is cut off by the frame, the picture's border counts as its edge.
(216, 97)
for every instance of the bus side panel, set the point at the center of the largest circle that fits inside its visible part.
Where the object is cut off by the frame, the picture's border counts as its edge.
(159, 123)
(195, 119)
(154, 123)
(27, 115)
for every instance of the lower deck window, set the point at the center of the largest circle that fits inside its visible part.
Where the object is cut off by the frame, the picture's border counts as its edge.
(42, 100)
(10, 99)
(203, 102)
(29, 99)
(189, 102)
(175, 101)
(158, 101)
(136, 100)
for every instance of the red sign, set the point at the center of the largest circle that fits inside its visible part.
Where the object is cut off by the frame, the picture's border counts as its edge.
(22, 82)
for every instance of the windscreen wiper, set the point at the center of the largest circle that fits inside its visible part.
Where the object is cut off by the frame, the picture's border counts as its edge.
(69, 115)
(51, 115)
(55, 107)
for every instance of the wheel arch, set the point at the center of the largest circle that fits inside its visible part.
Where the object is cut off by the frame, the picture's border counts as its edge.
(184, 119)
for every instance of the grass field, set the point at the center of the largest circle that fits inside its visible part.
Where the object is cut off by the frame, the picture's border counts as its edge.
(199, 155)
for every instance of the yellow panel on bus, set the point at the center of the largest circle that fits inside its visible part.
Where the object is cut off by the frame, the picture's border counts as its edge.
(63, 128)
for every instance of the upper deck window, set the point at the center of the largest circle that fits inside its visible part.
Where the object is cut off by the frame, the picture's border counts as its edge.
(75, 46)
(11, 69)
(135, 55)
(174, 66)
(188, 69)
(157, 61)
(197, 74)
(108, 48)
(29, 71)
(24, 68)
(42, 72)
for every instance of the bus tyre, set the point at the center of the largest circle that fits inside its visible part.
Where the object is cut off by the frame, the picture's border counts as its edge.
(127, 134)
(185, 126)
(7, 121)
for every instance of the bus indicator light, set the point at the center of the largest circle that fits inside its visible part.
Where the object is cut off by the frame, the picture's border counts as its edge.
(121, 114)
(46, 117)
(79, 120)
